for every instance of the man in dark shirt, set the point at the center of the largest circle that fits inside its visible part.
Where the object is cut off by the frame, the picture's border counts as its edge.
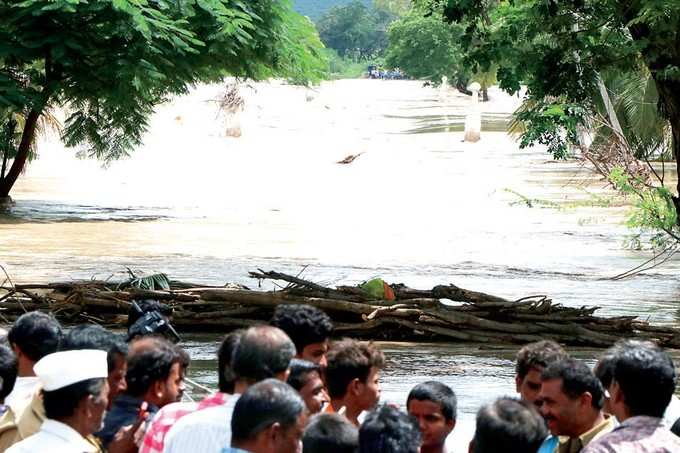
(155, 376)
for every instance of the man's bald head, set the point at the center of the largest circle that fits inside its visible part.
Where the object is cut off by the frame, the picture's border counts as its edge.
(264, 352)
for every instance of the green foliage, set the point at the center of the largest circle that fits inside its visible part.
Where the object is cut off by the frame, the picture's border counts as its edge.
(397, 8)
(303, 57)
(110, 62)
(423, 46)
(551, 124)
(653, 209)
(355, 30)
(150, 282)
(344, 68)
(559, 49)
(634, 97)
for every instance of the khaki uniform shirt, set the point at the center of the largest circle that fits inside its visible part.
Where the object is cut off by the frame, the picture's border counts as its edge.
(576, 444)
(30, 421)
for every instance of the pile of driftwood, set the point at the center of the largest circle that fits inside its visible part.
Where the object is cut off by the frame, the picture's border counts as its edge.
(441, 313)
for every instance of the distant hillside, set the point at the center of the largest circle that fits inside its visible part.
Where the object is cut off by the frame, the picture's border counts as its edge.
(316, 8)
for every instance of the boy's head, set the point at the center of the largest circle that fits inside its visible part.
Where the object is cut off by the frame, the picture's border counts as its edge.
(388, 430)
(330, 433)
(532, 359)
(305, 378)
(353, 371)
(434, 405)
(308, 327)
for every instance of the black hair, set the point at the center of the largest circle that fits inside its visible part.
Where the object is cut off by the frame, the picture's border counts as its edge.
(92, 336)
(538, 354)
(604, 368)
(225, 354)
(577, 379)
(263, 352)
(330, 433)
(8, 371)
(508, 424)
(63, 402)
(36, 334)
(647, 378)
(437, 393)
(263, 404)
(150, 360)
(349, 360)
(299, 369)
(146, 306)
(304, 324)
(388, 430)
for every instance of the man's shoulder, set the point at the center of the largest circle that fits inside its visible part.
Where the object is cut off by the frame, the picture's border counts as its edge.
(207, 430)
(31, 443)
(174, 411)
(626, 438)
(195, 423)
(8, 430)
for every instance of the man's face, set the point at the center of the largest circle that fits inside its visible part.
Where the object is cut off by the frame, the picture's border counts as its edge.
(529, 387)
(368, 393)
(116, 379)
(315, 353)
(174, 386)
(561, 413)
(433, 425)
(289, 440)
(96, 409)
(314, 393)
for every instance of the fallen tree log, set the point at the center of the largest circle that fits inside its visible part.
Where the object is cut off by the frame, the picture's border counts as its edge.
(444, 313)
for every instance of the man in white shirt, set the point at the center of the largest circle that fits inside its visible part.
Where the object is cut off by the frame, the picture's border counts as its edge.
(32, 337)
(75, 396)
(264, 352)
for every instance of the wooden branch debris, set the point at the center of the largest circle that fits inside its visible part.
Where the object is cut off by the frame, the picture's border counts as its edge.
(444, 313)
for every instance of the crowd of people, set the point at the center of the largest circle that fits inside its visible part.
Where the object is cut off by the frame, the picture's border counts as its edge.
(286, 387)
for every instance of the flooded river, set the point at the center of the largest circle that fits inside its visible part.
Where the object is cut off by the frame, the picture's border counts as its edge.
(418, 207)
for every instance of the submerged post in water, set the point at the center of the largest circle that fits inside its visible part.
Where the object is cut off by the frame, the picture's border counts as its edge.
(473, 120)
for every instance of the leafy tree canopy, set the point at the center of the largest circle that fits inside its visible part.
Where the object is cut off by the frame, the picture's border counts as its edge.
(109, 62)
(355, 30)
(425, 47)
(558, 49)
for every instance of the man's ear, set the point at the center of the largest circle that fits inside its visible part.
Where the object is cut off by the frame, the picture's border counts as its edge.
(17, 350)
(274, 432)
(615, 394)
(354, 387)
(450, 424)
(85, 406)
(518, 383)
(158, 388)
(586, 399)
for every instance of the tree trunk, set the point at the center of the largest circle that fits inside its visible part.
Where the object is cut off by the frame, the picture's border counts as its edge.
(659, 55)
(669, 98)
(22, 153)
(460, 86)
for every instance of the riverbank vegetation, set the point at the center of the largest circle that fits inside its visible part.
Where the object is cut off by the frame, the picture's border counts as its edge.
(109, 63)
(601, 80)
(374, 310)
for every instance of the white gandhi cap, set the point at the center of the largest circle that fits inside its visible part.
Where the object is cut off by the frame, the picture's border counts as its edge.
(64, 368)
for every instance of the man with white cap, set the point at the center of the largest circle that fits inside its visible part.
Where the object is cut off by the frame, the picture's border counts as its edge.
(75, 396)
